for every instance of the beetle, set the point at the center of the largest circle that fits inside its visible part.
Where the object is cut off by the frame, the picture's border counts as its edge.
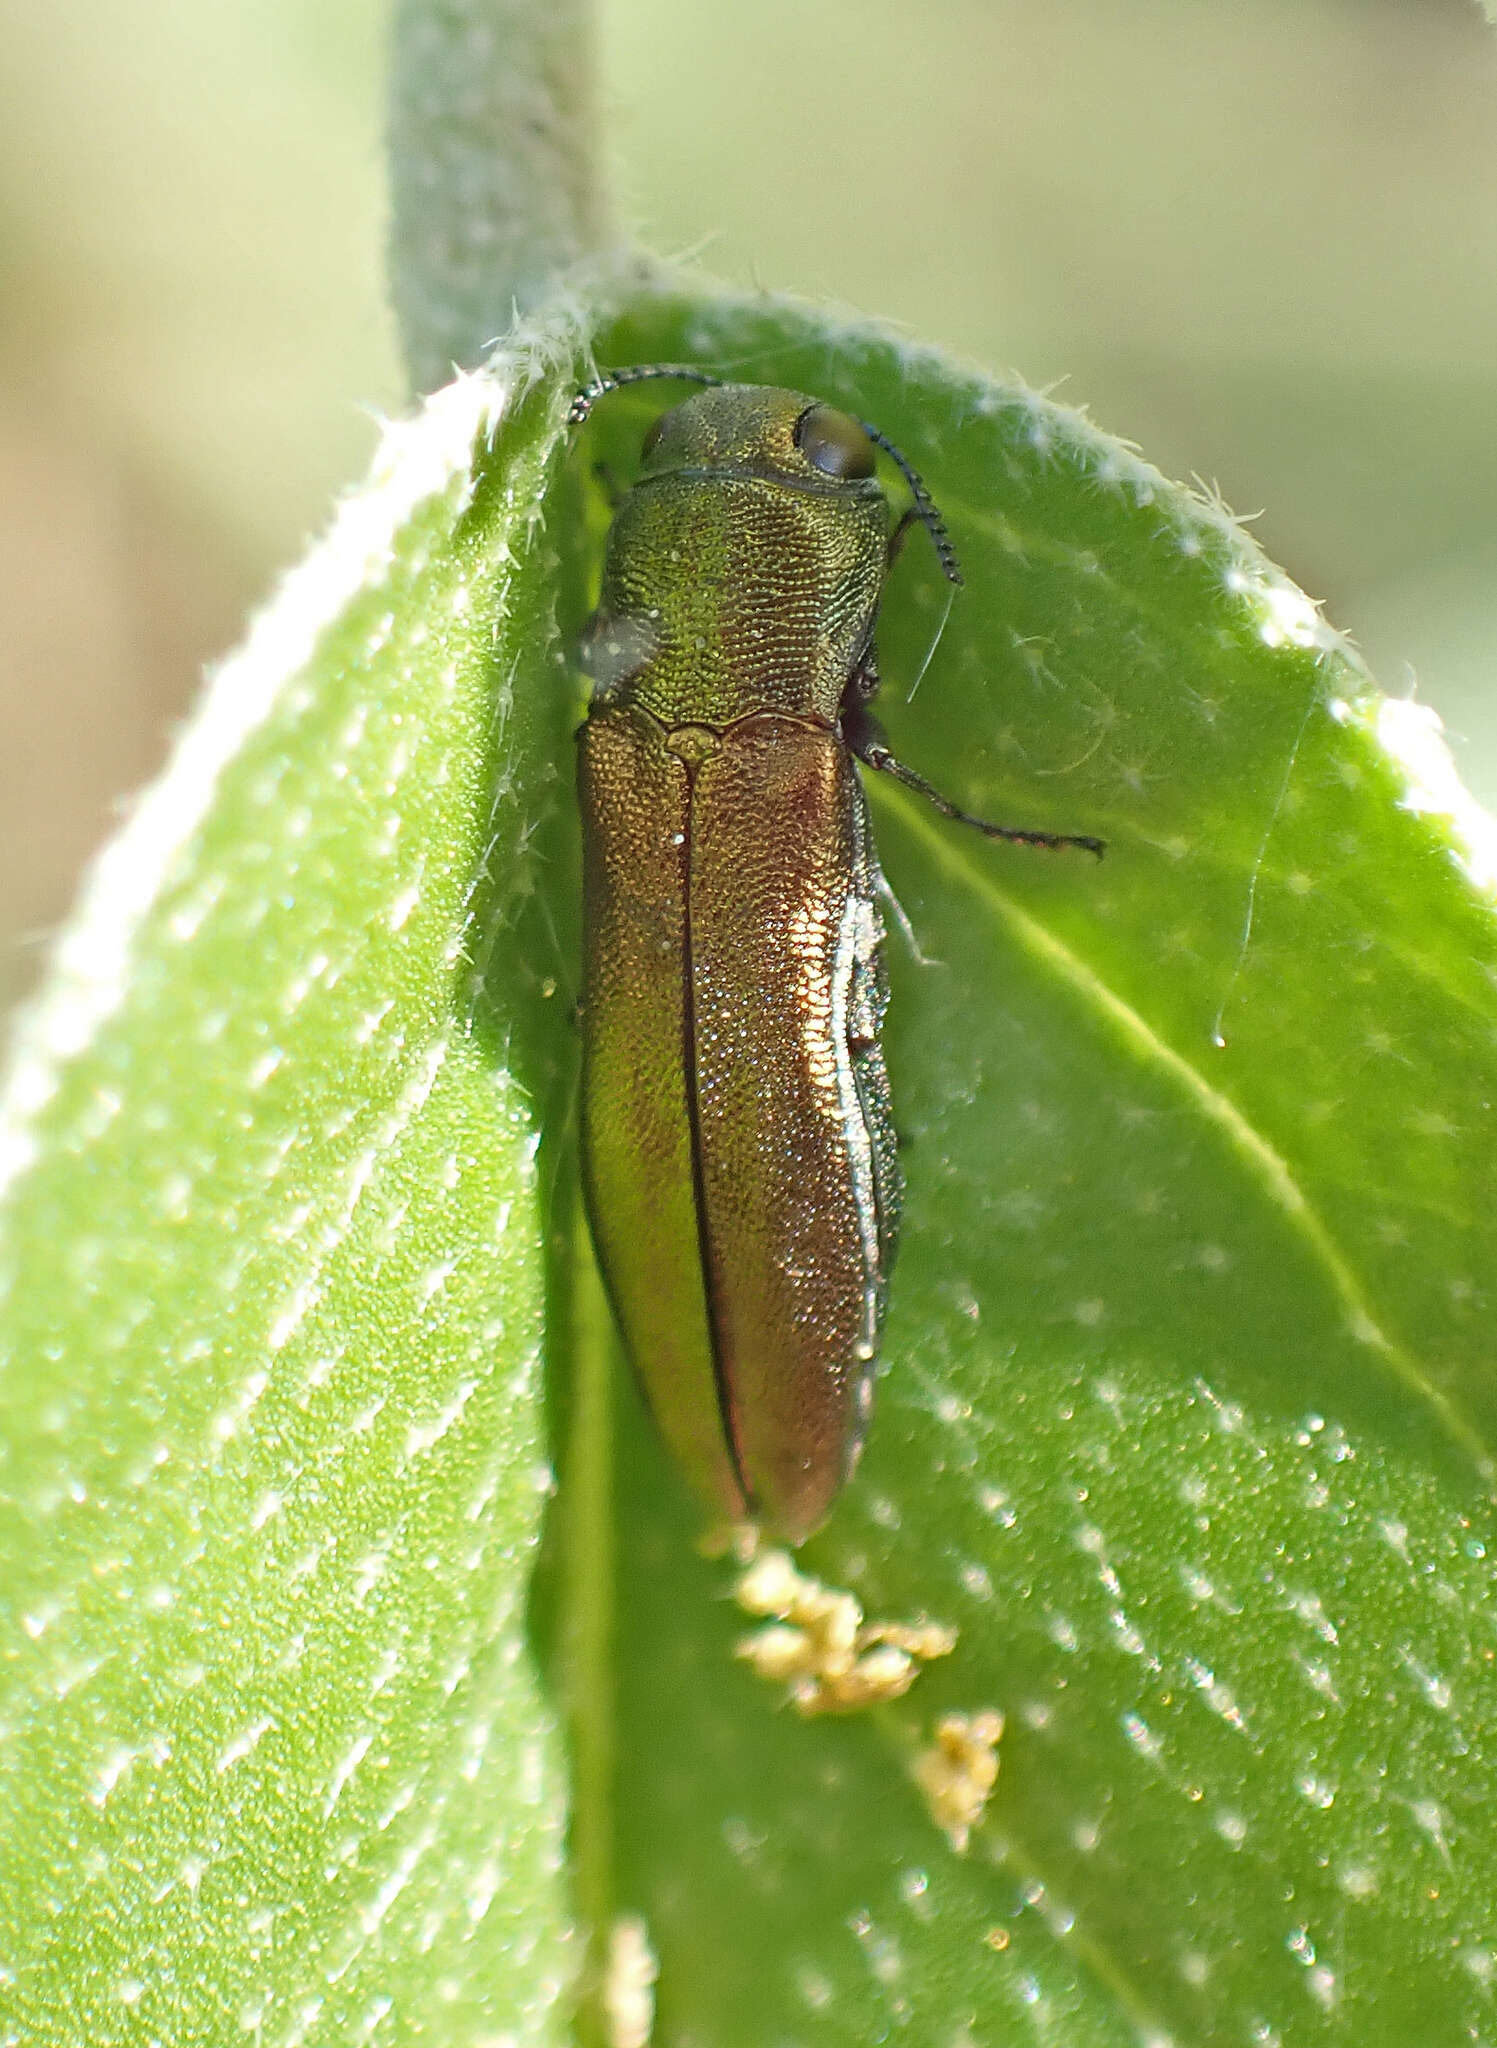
(739, 1155)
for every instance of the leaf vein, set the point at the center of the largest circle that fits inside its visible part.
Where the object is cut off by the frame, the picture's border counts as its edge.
(1266, 1163)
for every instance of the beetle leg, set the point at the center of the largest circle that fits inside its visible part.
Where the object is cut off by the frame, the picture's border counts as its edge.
(609, 485)
(908, 517)
(865, 738)
(861, 687)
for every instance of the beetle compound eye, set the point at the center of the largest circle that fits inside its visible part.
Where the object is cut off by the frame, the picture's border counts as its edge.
(833, 442)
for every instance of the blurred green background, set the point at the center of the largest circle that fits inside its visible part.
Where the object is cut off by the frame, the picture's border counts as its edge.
(1258, 237)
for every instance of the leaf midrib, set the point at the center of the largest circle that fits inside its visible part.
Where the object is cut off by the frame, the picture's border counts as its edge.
(1266, 1164)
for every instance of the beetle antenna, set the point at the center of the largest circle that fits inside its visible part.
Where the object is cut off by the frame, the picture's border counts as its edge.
(925, 505)
(635, 373)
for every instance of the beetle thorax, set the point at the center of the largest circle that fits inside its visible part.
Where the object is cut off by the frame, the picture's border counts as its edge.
(725, 594)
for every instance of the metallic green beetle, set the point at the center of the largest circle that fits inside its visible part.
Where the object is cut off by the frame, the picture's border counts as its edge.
(738, 1149)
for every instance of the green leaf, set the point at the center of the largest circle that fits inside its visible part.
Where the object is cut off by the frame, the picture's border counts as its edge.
(277, 1764)
(1186, 1426)
(1188, 1416)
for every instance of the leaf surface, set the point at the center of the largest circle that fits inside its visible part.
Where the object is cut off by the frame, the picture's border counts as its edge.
(277, 1761)
(1187, 1422)
(1188, 1414)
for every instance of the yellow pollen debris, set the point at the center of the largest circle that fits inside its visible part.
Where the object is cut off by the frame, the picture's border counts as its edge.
(958, 1772)
(629, 1986)
(819, 1646)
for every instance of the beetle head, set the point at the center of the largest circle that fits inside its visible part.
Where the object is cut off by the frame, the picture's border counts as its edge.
(761, 430)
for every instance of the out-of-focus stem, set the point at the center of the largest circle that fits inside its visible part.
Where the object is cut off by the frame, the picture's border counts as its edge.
(495, 168)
